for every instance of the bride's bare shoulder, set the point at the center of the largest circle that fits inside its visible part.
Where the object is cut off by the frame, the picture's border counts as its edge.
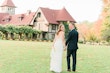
(62, 32)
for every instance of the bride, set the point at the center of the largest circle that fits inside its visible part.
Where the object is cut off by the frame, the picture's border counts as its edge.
(57, 50)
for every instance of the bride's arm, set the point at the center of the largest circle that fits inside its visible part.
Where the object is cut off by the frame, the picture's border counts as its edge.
(54, 42)
(63, 38)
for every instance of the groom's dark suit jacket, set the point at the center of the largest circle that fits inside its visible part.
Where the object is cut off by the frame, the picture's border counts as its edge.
(72, 40)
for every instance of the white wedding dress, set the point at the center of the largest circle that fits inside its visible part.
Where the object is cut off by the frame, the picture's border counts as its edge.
(56, 56)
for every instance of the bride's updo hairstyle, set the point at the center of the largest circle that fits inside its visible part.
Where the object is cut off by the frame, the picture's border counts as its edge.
(59, 28)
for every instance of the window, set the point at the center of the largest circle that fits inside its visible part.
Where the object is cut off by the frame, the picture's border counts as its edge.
(35, 20)
(3, 8)
(9, 8)
(8, 19)
(53, 27)
(3, 20)
(20, 18)
(39, 14)
(53, 36)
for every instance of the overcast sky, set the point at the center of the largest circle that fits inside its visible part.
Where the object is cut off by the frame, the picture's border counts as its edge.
(80, 10)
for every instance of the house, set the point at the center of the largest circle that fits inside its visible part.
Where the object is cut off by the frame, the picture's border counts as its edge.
(44, 19)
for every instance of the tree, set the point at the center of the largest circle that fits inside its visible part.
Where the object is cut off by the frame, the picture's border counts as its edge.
(84, 30)
(4, 31)
(91, 37)
(106, 29)
(66, 29)
(1, 33)
(25, 31)
(11, 30)
(106, 22)
(34, 34)
(20, 32)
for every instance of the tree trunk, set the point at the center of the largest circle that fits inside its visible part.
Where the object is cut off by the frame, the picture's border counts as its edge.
(34, 36)
(12, 36)
(20, 36)
(6, 35)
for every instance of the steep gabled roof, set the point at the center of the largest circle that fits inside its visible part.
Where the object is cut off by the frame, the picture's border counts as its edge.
(49, 15)
(8, 3)
(53, 16)
(63, 15)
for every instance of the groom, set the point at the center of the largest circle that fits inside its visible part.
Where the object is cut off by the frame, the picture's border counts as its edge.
(72, 46)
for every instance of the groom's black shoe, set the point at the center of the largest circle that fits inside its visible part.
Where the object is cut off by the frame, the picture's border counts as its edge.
(69, 70)
(73, 70)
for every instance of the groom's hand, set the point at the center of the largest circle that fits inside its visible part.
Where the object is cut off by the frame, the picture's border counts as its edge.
(65, 48)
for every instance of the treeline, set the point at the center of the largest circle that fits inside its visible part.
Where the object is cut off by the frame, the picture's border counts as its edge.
(106, 20)
(10, 32)
(99, 31)
(93, 33)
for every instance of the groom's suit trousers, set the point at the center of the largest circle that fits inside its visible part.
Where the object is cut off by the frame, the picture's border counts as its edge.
(74, 54)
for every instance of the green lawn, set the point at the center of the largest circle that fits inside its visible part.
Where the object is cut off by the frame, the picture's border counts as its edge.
(34, 57)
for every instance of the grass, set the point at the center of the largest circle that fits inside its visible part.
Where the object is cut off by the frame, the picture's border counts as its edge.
(34, 57)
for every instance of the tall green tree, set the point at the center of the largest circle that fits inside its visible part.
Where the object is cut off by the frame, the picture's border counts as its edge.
(66, 29)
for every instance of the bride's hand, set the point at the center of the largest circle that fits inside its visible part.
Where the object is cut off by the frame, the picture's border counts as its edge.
(65, 48)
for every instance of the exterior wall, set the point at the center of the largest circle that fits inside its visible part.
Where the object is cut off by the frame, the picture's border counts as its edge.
(51, 36)
(41, 26)
(52, 32)
(10, 10)
(41, 23)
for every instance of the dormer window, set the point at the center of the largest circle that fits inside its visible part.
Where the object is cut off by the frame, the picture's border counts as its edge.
(7, 19)
(39, 14)
(3, 20)
(35, 20)
(21, 17)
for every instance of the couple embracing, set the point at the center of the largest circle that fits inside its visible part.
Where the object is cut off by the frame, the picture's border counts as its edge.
(59, 45)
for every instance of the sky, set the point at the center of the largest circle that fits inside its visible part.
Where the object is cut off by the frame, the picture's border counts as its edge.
(80, 10)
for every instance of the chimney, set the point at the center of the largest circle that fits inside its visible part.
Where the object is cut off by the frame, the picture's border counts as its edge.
(28, 12)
